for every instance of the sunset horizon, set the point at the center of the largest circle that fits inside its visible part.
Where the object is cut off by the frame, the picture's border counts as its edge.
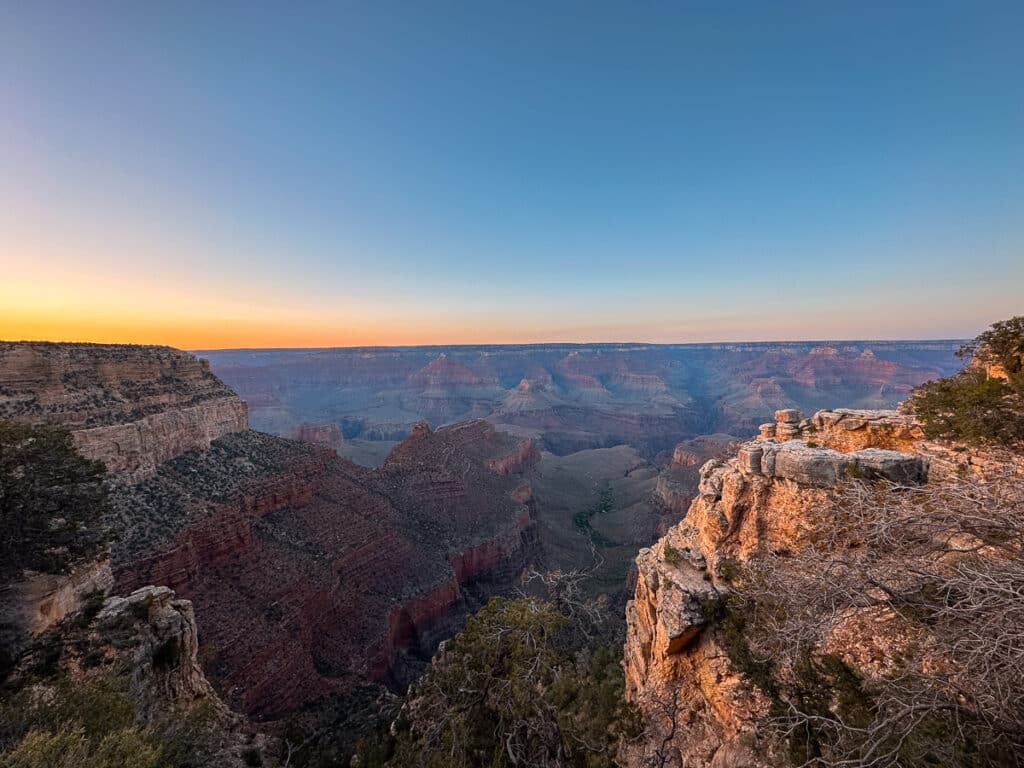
(357, 175)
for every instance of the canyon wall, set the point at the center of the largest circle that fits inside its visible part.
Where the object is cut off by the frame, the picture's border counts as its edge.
(312, 576)
(131, 407)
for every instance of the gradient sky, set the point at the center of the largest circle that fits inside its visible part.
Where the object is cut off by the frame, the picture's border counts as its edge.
(396, 173)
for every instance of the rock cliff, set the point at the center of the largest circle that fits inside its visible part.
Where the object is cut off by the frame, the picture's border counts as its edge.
(145, 646)
(131, 407)
(701, 709)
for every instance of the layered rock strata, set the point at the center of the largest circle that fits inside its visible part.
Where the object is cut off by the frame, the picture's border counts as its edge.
(574, 397)
(312, 576)
(131, 407)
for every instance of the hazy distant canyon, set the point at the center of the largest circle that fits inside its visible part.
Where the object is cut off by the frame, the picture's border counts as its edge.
(569, 397)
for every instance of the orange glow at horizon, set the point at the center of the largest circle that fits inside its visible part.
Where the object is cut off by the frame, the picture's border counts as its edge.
(213, 330)
(83, 303)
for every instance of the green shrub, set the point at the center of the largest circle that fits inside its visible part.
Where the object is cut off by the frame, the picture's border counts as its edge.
(672, 555)
(52, 501)
(73, 749)
(971, 407)
(92, 604)
(91, 723)
(729, 569)
(513, 683)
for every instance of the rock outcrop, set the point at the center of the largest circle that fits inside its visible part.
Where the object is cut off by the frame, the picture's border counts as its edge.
(146, 646)
(131, 407)
(328, 434)
(845, 429)
(164, 654)
(700, 709)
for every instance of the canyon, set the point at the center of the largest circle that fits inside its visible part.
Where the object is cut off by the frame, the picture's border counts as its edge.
(310, 576)
(622, 428)
(571, 397)
(296, 580)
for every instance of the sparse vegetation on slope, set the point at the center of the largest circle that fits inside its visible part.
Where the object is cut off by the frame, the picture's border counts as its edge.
(582, 519)
(52, 501)
(71, 705)
(894, 638)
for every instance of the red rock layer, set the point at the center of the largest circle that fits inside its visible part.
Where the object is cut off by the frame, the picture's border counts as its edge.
(318, 575)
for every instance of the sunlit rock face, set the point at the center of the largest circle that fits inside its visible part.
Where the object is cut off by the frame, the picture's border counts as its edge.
(702, 711)
(131, 407)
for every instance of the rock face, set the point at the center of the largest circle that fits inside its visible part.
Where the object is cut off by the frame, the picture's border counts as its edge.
(131, 407)
(826, 468)
(844, 429)
(149, 642)
(329, 434)
(866, 435)
(700, 709)
(165, 651)
(39, 601)
(677, 483)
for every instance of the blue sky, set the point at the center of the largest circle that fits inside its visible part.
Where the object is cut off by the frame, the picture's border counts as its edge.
(445, 172)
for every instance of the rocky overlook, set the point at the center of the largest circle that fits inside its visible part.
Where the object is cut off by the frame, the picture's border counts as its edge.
(682, 668)
(131, 407)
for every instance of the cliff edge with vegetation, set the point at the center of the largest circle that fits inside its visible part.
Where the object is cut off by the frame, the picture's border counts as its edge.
(848, 590)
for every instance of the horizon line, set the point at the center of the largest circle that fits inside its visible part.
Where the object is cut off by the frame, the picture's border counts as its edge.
(197, 350)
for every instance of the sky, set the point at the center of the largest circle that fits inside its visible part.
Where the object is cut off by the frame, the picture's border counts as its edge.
(297, 174)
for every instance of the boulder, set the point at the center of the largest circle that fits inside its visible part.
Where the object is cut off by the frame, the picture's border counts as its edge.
(819, 467)
(749, 458)
(896, 467)
(710, 485)
(788, 416)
